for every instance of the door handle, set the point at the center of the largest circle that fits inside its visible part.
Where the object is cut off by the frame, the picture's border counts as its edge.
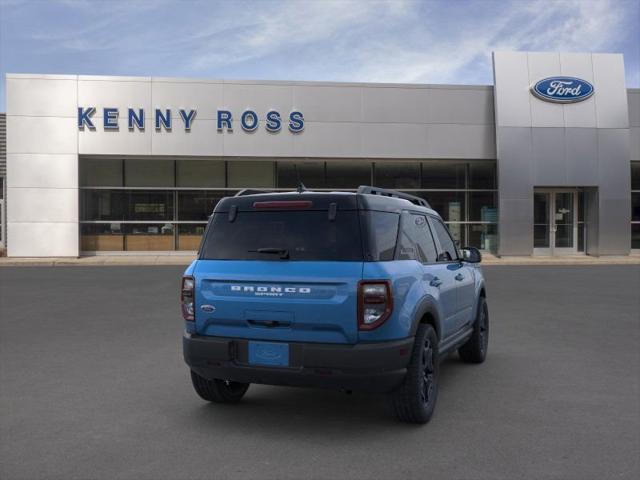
(436, 282)
(459, 277)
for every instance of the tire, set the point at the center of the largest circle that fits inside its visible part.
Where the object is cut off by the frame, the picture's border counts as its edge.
(218, 391)
(415, 400)
(475, 349)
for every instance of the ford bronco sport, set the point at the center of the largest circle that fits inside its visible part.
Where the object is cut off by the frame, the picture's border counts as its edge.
(361, 291)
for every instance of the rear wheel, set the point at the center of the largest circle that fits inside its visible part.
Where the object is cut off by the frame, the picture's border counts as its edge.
(475, 349)
(219, 391)
(415, 400)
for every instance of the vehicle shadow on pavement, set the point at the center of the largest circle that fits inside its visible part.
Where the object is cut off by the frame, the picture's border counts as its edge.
(315, 412)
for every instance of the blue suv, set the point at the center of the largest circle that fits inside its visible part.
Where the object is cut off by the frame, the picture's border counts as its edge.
(361, 291)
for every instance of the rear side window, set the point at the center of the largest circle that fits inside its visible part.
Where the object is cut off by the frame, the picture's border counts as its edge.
(383, 233)
(448, 248)
(416, 242)
(279, 235)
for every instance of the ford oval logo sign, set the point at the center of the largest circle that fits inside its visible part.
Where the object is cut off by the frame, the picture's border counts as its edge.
(562, 89)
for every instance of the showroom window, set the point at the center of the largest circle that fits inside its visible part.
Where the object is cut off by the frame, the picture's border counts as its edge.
(132, 204)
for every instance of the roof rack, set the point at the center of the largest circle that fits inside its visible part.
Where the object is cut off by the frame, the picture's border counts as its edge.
(251, 191)
(393, 193)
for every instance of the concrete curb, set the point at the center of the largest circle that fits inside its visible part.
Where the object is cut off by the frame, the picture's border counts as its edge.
(116, 260)
(184, 260)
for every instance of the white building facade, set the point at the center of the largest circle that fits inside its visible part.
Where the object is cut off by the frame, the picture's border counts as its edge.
(130, 164)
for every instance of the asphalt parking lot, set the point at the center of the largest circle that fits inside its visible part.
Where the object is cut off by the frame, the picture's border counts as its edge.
(92, 385)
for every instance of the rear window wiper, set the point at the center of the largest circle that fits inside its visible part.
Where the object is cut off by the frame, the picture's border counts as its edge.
(283, 252)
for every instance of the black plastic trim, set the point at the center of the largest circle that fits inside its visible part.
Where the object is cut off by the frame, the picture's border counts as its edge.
(371, 367)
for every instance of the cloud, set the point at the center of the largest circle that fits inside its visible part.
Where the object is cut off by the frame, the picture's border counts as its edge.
(268, 28)
(571, 25)
(347, 40)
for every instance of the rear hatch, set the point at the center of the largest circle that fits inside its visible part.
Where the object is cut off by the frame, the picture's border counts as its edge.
(274, 269)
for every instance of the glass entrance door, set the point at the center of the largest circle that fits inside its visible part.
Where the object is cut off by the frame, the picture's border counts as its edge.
(554, 222)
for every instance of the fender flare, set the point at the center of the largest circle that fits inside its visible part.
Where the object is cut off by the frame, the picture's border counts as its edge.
(427, 306)
(480, 288)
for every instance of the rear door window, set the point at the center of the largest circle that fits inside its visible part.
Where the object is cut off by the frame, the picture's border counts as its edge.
(448, 251)
(383, 234)
(280, 235)
(416, 242)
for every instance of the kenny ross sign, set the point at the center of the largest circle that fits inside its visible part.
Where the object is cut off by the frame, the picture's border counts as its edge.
(249, 120)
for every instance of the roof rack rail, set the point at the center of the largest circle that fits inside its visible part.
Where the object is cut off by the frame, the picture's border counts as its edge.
(251, 191)
(393, 193)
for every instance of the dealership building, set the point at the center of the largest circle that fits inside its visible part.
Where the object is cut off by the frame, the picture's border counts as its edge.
(546, 161)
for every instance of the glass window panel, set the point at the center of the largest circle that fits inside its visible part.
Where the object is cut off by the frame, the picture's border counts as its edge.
(416, 240)
(635, 206)
(564, 236)
(443, 175)
(397, 175)
(482, 175)
(101, 237)
(483, 236)
(199, 205)
(126, 205)
(635, 175)
(310, 173)
(149, 173)
(541, 236)
(540, 208)
(635, 235)
(348, 174)
(148, 237)
(101, 172)
(450, 205)
(190, 236)
(581, 206)
(103, 205)
(302, 235)
(383, 232)
(448, 249)
(257, 174)
(149, 205)
(482, 206)
(458, 232)
(200, 173)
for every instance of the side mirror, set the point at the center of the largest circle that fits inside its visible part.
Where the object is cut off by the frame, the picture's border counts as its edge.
(471, 255)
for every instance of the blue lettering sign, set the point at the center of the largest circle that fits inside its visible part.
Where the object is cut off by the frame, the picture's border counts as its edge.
(187, 118)
(84, 117)
(562, 89)
(164, 120)
(274, 124)
(136, 119)
(110, 118)
(296, 121)
(249, 120)
(224, 120)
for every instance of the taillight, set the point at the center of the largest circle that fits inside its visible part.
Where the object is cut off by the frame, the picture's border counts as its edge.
(375, 303)
(186, 298)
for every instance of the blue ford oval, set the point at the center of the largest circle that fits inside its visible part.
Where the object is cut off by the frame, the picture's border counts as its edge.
(562, 89)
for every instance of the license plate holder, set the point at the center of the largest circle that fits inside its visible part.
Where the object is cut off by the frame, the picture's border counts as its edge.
(270, 354)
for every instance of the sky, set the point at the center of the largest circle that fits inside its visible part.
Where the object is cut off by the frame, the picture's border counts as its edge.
(400, 41)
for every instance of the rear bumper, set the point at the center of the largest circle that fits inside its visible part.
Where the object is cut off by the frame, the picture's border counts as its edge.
(369, 367)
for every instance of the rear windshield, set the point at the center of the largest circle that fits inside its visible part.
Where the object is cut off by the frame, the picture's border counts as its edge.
(284, 235)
